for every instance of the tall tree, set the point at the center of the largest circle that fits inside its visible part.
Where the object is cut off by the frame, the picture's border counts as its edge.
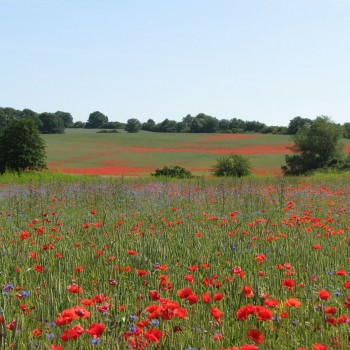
(296, 124)
(149, 125)
(317, 145)
(51, 123)
(133, 125)
(7, 114)
(21, 147)
(66, 118)
(96, 120)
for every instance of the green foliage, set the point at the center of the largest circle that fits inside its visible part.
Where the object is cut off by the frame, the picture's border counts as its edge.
(346, 128)
(21, 147)
(296, 124)
(174, 171)
(149, 125)
(317, 145)
(110, 131)
(66, 118)
(133, 125)
(112, 125)
(51, 123)
(233, 165)
(78, 125)
(96, 120)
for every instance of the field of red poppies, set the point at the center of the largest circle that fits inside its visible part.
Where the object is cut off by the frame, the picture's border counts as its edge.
(201, 264)
(83, 151)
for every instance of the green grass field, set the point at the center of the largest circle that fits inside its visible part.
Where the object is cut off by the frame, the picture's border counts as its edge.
(87, 152)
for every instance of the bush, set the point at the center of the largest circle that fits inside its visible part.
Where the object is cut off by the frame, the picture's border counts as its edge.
(21, 147)
(173, 171)
(111, 131)
(317, 146)
(233, 165)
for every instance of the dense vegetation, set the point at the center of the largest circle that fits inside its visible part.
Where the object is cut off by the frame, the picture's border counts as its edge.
(317, 146)
(202, 123)
(21, 147)
(195, 264)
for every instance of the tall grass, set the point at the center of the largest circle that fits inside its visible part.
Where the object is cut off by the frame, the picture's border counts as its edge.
(122, 238)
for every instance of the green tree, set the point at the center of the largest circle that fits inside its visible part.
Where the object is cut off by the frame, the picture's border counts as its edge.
(233, 165)
(96, 120)
(7, 114)
(29, 114)
(346, 128)
(149, 125)
(21, 147)
(296, 124)
(317, 145)
(66, 118)
(51, 123)
(133, 125)
(166, 126)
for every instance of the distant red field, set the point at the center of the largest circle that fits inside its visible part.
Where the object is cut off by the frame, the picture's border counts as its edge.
(123, 154)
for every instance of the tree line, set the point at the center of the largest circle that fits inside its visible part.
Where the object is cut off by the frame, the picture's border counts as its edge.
(317, 146)
(55, 123)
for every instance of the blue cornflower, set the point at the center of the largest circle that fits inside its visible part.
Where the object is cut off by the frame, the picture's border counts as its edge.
(8, 287)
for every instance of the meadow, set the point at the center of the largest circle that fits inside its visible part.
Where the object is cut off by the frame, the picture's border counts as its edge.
(131, 263)
(83, 151)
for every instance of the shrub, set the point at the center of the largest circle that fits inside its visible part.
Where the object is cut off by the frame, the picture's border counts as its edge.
(111, 131)
(316, 146)
(21, 147)
(176, 171)
(233, 165)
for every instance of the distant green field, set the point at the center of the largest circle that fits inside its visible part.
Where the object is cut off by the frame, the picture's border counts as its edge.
(87, 152)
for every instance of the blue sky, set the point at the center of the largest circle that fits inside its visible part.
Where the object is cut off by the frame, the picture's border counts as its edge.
(265, 60)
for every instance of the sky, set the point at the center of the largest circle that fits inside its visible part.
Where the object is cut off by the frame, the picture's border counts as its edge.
(263, 60)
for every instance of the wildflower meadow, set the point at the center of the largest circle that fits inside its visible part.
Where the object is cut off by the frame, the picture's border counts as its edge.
(259, 263)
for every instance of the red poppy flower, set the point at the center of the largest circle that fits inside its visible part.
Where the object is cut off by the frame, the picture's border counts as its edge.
(74, 288)
(96, 330)
(54, 347)
(153, 335)
(184, 293)
(263, 314)
(24, 235)
(271, 302)
(218, 297)
(36, 332)
(292, 302)
(288, 283)
(249, 347)
(256, 336)
(39, 268)
(216, 313)
(69, 333)
(331, 310)
(206, 297)
(323, 294)
(319, 347)
(248, 292)
(347, 284)
(154, 295)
